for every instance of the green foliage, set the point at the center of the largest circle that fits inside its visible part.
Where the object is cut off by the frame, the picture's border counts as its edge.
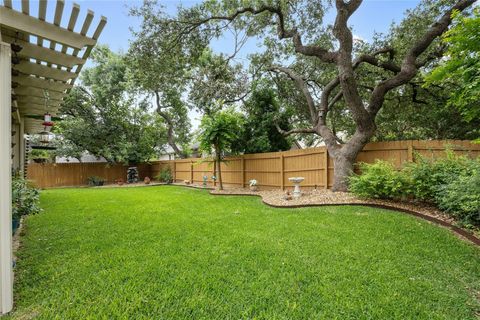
(165, 175)
(25, 198)
(260, 133)
(380, 180)
(179, 253)
(461, 198)
(104, 118)
(219, 132)
(429, 176)
(95, 181)
(451, 183)
(462, 67)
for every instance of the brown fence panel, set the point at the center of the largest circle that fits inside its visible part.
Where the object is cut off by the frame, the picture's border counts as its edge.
(47, 175)
(271, 170)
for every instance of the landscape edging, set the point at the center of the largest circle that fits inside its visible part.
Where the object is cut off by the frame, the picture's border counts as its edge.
(463, 233)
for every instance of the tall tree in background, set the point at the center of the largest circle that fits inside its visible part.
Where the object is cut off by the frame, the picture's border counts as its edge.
(161, 71)
(333, 48)
(262, 116)
(101, 116)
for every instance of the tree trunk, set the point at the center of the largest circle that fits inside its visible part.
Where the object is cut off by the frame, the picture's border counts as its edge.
(344, 157)
(343, 168)
(220, 183)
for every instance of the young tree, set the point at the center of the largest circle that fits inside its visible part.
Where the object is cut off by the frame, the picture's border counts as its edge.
(218, 133)
(332, 48)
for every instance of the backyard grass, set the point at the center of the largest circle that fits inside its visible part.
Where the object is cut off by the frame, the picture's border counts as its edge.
(178, 253)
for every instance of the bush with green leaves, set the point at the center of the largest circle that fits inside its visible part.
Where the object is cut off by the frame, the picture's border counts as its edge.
(25, 198)
(429, 176)
(380, 180)
(461, 198)
(95, 181)
(165, 175)
(451, 183)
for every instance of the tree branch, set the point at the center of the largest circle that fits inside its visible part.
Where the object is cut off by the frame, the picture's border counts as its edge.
(308, 50)
(410, 64)
(302, 86)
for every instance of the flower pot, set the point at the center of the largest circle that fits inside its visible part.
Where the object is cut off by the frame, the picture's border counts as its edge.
(15, 224)
(253, 188)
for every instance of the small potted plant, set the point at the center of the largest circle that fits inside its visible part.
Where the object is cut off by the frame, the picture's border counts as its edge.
(119, 182)
(146, 180)
(95, 181)
(253, 185)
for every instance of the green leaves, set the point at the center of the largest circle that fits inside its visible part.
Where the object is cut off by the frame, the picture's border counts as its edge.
(461, 66)
(107, 119)
(219, 131)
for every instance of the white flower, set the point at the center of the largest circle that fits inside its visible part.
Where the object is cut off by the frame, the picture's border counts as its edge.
(253, 182)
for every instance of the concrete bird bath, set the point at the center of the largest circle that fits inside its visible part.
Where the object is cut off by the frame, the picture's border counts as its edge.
(296, 182)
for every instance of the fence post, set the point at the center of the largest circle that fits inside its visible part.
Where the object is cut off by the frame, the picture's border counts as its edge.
(243, 172)
(282, 171)
(325, 171)
(191, 172)
(174, 171)
(410, 150)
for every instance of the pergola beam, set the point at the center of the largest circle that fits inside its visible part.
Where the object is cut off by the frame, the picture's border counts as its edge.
(45, 54)
(19, 21)
(25, 102)
(44, 71)
(36, 92)
(49, 85)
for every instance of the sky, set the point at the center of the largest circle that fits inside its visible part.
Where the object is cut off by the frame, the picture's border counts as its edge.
(372, 16)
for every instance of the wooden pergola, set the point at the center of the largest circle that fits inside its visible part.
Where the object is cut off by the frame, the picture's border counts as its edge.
(38, 59)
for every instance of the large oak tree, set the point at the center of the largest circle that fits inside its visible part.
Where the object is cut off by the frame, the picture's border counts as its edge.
(298, 29)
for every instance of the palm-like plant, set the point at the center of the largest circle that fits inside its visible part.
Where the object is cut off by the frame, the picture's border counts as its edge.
(218, 133)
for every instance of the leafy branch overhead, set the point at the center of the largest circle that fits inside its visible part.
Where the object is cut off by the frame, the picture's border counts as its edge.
(331, 49)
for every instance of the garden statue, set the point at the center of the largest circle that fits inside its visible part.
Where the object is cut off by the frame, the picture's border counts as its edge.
(253, 185)
(132, 175)
(296, 181)
(205, 178)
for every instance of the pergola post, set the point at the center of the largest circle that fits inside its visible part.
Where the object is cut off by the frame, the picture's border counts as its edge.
(21, 148)
(6, 272)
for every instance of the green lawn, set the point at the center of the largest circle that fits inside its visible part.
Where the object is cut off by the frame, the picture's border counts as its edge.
(178, 253)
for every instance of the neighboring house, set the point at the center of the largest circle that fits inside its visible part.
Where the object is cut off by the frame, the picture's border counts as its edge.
(85, 158)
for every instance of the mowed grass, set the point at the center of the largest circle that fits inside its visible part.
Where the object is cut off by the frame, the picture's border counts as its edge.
(176, 253)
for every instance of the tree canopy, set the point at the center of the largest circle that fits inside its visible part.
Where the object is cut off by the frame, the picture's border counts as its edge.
(103, 117)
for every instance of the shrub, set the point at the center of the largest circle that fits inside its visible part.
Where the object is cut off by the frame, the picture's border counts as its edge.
(461, 199)
(380, 180)
(429, 176)
(95, 181)
(25, 198)
(165, 175)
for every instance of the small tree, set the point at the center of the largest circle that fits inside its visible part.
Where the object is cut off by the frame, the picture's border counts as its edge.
(218, 133)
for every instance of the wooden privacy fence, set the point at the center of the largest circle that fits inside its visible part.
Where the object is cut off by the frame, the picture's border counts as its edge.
(271, 170)
(47, 175)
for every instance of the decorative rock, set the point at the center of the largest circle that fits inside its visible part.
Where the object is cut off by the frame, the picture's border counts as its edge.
(132, 175)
